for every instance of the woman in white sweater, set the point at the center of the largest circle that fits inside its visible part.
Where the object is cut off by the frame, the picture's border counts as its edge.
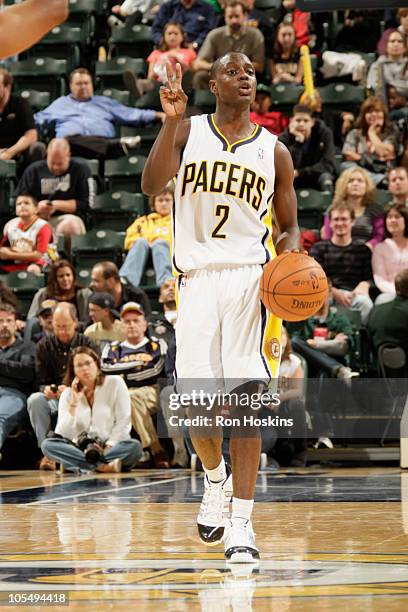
(98, 406)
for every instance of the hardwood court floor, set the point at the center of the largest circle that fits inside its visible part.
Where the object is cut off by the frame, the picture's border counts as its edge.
(329, 539)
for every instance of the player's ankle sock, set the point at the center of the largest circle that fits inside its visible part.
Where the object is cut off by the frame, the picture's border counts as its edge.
(217, 474)
(242, 509)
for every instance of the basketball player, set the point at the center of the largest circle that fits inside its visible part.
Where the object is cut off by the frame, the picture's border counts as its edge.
(227, 171)
(22, 25)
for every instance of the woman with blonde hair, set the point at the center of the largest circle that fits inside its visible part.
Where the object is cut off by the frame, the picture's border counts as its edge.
(372, 143)
(356, 188)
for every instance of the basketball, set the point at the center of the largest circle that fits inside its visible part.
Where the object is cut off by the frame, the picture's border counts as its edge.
(293, 286)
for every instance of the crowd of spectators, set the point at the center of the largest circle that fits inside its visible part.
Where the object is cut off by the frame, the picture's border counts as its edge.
(104, 346)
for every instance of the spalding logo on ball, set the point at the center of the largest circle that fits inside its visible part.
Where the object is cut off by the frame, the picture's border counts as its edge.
(293, 286)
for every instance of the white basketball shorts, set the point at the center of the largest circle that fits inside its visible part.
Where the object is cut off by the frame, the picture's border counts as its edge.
(221, 325)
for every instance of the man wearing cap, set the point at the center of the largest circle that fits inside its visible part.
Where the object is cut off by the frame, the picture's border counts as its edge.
(140, 361)
(51, 360)
(106, 325)
(44, 316)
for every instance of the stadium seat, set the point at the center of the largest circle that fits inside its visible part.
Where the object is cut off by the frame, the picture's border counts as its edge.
(25, 285)
(312, 205)
(116, 94)
(124, 173)
(96, 245)
(132, 41)
(8, 180)
(95, 168)
(342, 96)
(83, 276)
(117, 210)
(285, 96)
(204, 100)
(83, 12)
(37, 99)
(62, 42)
(109, 74)
(148, 135)
(41, 74)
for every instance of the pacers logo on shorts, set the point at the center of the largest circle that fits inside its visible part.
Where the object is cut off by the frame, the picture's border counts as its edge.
(273, 349)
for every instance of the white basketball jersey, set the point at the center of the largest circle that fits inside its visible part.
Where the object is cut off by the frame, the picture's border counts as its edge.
(222, 198)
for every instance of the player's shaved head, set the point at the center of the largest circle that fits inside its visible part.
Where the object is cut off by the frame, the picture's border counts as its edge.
(224, 60)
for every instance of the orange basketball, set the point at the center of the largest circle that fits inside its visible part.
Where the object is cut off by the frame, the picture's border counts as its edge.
(293, 286)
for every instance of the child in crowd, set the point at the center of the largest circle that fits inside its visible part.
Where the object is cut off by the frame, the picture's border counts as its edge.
(25, 238)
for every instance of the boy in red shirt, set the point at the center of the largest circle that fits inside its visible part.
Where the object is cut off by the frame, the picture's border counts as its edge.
(25, 238)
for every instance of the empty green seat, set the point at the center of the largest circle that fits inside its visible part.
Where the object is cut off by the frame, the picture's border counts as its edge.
(25, 285)
(116, 210)
(342, 96)
(37, 99)
(132, 41)
(125, 173)
(383, 197)
(8, 180)
(116, 94)
(285, 96)
(109, 74)
(62, 42)
(41, 74)
(149, 100)
(96, 245)
(312, 205)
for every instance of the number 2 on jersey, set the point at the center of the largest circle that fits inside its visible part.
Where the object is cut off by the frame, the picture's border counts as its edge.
(222, 211)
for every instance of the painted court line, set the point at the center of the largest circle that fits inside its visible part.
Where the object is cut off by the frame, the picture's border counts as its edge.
(111, 490)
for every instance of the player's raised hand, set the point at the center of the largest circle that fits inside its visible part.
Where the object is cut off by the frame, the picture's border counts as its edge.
(172, 97)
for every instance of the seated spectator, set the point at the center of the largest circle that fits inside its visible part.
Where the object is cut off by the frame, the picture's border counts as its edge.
(17, 373)
(98, 406)
(339, 122)
(291, 450)
(360, 31)
(355, 188)
(196, 17)
(140, 361)
(18, 136)
(285, 65)
(402, 15)
(8, 297)
(391, 68)
(234, 36)
(173, 49)
(95, 136)
(62, 287)
(45, 315)
(106, 325)
(398, 185)
(372, 143)
(63, 187)
(391, 256)
(167, 299)
(105, 277)
(389, 322)
(324, 340)
(150, 233)
(397, 104)
(25, 238)
(51, 360)
(133, 12)
(261, 114)
(310, 143)
(347, 263)
(288, 13)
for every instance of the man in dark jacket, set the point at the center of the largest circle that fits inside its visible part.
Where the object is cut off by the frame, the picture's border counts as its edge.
(51, 360)
(197, 17)
(311, 146)
(16, 373)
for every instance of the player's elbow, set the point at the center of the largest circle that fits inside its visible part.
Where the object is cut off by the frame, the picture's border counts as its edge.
(149, 187)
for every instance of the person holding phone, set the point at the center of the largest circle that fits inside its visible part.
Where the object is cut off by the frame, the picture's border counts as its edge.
(96, 409)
